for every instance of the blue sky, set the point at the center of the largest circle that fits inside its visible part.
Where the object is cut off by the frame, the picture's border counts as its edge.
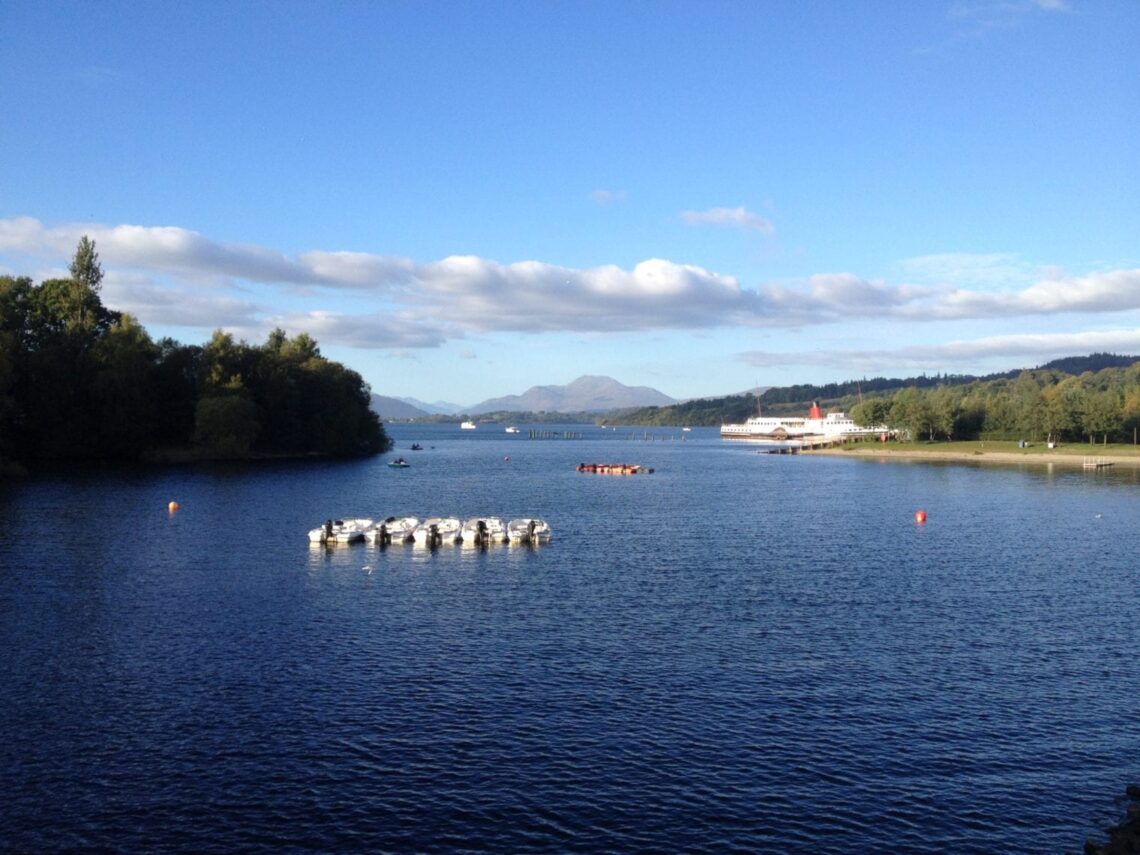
(463, 200)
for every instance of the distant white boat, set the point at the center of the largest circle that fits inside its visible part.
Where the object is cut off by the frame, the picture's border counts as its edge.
(340, 531)
(467, 426)
(483, 531)
(529, 530)
(392, 530)
(686, 429)
(512, 429)
(435, 531)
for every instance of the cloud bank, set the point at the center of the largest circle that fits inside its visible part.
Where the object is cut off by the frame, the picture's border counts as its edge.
(176, 277)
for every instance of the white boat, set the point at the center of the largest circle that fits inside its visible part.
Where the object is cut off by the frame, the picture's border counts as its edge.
(483, 531)
(467, 426)
(528, 530)
(392, 530)
(353, 530)
(512, 429)
(436, 531)
(780, 429)
(340, 531)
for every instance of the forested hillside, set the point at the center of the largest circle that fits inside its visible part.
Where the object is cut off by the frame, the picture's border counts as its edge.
(80, 382)
(1043, 404)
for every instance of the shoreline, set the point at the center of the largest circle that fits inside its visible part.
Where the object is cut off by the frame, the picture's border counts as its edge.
(868, 451)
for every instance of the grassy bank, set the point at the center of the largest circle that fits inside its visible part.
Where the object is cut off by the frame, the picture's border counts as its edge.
(984, 451)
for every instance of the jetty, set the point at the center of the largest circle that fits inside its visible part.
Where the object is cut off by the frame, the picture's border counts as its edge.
(795, 446)
(1096, 463)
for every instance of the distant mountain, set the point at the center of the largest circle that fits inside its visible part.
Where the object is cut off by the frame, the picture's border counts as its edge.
(436, 407)
(589, 394)
(394, 408)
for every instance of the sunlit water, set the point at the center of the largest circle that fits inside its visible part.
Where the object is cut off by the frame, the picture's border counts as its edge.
(738, 652)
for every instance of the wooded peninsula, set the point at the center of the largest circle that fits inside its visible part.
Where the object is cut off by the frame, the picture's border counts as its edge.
(79, 382)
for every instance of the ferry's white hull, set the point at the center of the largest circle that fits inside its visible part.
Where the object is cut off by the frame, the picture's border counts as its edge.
(771, 429)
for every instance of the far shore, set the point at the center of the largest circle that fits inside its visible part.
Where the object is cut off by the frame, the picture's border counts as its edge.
(988, 452)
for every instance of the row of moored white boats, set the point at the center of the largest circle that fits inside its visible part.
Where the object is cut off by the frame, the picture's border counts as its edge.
(433, 531)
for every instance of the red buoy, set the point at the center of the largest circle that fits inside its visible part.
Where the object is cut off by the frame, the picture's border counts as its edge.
(920, 517)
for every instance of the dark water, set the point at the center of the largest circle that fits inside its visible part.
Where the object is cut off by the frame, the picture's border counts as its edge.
(739, 652)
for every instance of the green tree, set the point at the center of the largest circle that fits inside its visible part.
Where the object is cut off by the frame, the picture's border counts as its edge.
(873, 412)
(945, 409)
(911, 413)
(1131, 411)
(175, 384)
(15, 295)
(1103, 414)
(85, 268)
(226, 426)
(1056, 413)
(126, 361)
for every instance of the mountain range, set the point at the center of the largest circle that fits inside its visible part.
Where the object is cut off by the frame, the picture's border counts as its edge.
(587, 394)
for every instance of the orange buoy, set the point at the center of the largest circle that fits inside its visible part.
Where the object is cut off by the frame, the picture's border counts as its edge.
(920, 517)
(172, 507)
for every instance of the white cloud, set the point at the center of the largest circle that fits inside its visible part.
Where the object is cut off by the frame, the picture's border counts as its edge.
(959, 355)
(179, 278)
(369, 332)
(608, 197)
(740, 218)
(1101, 292)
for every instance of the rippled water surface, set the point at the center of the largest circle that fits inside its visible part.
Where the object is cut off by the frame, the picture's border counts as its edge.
(738, 652)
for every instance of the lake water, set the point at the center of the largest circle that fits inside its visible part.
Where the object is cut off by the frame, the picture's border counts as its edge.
(738, 652)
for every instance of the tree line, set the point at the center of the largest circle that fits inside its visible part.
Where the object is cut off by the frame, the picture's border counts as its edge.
(1039, 405)
(80, 382)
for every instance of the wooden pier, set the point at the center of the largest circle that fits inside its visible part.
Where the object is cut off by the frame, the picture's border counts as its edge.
(1096, 463)
(795, 446)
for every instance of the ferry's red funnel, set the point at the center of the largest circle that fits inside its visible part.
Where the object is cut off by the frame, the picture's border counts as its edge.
(815, 412)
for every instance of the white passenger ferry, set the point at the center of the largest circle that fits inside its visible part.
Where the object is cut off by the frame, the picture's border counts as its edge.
(816, 425)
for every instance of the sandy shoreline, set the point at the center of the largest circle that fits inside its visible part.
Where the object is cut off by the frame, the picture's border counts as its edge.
(942, 455)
